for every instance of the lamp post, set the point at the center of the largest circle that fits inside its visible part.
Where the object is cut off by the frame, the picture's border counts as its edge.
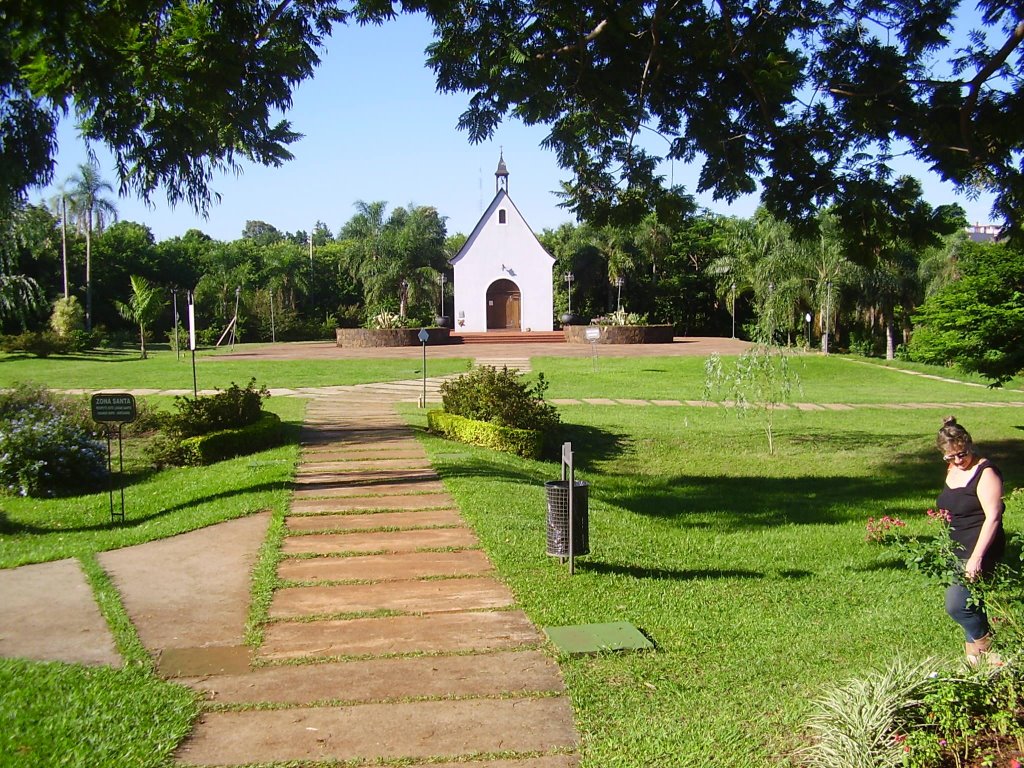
(618, 284)
(442, 278)
(569, 277)
(403, 297)
(807, 317)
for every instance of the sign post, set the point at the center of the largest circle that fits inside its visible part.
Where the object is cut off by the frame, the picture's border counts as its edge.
(192, 339)
(592, 334)
(114, 409)
(423, 336)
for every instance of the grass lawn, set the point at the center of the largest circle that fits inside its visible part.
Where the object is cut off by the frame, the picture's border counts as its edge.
(749, 571)
(123, 369)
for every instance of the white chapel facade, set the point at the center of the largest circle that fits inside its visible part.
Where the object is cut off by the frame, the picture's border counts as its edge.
(502, 275)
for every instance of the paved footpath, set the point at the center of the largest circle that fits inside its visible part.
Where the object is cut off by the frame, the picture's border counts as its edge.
(391, 639)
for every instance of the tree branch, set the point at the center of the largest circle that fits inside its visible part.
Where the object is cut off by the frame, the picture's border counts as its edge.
(979, 80)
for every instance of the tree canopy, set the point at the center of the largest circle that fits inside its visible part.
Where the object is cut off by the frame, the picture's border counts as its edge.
(811, 100)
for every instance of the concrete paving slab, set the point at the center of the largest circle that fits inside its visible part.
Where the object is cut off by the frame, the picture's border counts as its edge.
(362, 465)
(317, 487)
(48, 613)
(381, 731)
(426, 518)
(363, 453)
(345, 444)
(363, 475)
(426, 596)
(667, 402)
(312, 503)
(386, 541)
(376, 680)
(599, 401)
(632, 401)
(432, 633)
(190, 590)
(402, 565)
(546, 761)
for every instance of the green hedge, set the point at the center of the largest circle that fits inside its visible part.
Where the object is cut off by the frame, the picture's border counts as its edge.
(264, 433)
(527, 443)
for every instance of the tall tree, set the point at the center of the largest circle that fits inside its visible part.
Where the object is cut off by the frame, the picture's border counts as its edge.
(92, 211)
(977, 321)
(810, 99)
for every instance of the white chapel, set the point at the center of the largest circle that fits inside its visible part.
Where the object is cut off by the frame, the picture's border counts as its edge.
(502, 275)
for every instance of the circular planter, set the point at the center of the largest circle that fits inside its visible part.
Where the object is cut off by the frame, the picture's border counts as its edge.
(369, 338)
(620, 334)
(570, 318)
(443, 321)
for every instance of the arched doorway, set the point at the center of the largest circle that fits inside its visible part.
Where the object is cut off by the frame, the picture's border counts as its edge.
(503, 306)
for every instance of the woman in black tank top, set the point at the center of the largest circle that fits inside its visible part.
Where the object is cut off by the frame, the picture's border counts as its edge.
(972, 496)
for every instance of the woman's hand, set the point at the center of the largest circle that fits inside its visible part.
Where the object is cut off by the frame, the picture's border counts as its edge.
(972, 568)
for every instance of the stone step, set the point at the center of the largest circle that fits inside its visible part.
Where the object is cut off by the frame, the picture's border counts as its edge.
(377, 732)
(426, 596)
(426, 518)
(318, 488)
(401, 565)
(317, 502)
(391, 635)
(376, 680)
(385, 541)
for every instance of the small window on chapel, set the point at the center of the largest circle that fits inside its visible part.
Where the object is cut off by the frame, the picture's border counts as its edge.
(501, 216)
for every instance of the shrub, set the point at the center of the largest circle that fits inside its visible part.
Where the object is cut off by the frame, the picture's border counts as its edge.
(232, 408)
(620, 317)
(67, 317)
(47, 444)
(527, 443)
(500, 397)
(264, 433)
(38, 343)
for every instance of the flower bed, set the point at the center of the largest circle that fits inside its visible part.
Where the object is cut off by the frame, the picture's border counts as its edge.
(364, 338)
(620, 334)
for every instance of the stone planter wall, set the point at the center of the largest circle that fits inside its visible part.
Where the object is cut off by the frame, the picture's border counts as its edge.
(620, 334)
(368, 338)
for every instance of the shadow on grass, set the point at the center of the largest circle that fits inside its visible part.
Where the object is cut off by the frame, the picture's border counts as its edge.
(11, 528)
(688, 574)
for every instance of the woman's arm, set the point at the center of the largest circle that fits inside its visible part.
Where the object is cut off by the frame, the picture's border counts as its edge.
(990, 494)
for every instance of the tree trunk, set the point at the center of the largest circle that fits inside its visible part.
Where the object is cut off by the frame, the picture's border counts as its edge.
(88, 277)
(890, 338)
(142, 340)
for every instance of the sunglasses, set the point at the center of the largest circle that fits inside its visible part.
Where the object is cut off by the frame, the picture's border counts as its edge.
(955, 456)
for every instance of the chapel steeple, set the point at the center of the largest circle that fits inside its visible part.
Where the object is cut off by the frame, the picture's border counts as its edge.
(501, 175)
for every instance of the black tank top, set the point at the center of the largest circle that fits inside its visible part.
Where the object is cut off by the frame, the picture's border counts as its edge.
(967, 517)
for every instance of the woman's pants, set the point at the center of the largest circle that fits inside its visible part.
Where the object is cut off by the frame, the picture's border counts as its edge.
(969, 615)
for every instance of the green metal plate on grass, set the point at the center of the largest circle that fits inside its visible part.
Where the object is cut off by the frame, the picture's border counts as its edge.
(594, 638)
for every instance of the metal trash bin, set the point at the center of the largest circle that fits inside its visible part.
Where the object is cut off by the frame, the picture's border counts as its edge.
(558, 518)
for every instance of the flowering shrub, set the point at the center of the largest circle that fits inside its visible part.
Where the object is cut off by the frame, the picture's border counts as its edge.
(620, 317)
(46, 446)
(884, 530)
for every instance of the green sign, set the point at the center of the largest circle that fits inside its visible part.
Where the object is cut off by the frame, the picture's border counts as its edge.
(108, 407)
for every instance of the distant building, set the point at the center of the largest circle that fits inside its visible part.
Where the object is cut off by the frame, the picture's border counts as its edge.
(502, 275)
(983, 233)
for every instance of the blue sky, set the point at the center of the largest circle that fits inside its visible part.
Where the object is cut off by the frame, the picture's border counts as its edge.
(376, 129)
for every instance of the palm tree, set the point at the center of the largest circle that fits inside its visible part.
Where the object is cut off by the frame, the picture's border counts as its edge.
(92, 211)
(143, 307)
(59, 206)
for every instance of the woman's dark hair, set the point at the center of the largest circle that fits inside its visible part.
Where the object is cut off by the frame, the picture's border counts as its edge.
(952, 435)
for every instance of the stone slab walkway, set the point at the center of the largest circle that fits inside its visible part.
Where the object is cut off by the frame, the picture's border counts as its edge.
(390, 639)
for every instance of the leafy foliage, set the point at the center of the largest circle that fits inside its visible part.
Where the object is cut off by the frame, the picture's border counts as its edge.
(68, 316)
(146, 303)
(759, 382)
(263, 433)
(977, 321)
(47, 445)
(500, 397)
(527, 443)
(232, 408)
